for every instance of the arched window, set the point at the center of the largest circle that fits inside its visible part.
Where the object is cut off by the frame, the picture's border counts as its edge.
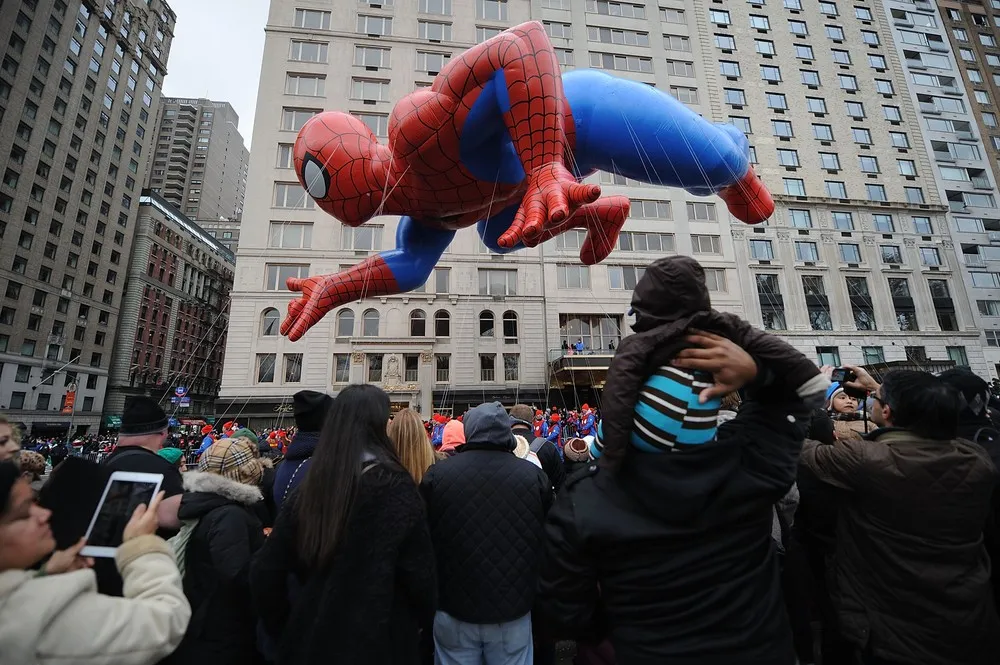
(345, 323)
(510, 327)
(442, 324)
(418, 323)
(486, 323)
(369, 323)
(270, 319)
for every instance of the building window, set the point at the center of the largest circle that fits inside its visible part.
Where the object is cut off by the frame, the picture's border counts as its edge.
(342, 368)
(725, 42)
(270, 320)
(345, 323)
(371, 56)
(442, 280)
(305, 85)
(434, 31)
(706, 244)
(374, 368)
(302, 51)
(873, 355)
(277, 274)
(798, 27)
(701, 212)
(487, 323)
(958, 354)
(729, 68)
(293, 367)
(374, 25)
(491, 10)
(487, 367)
(850, 253)
(442, 324)
(370, 90)
(875, 192)
(439, 7)
(794, 186)
(369, 323)
(418, 323)
(312, 19)
(828, 355)
(735, 97)
(761, 250)
(742, 123)
(573, 276)
(800, 219)
(891, 254)
(289, 235)
(511, 364)
(922, 225)
(510, 327)
(788, 157)
(265, 367)
(378, 123)
(361, 238)
(806, 251)
(624, 278)
(929, 256)
(494, 282)
(442, 367)
(623, 63)
(829, 161)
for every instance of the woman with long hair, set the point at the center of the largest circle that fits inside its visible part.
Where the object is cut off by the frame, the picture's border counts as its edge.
(348, 574)
(413, 448)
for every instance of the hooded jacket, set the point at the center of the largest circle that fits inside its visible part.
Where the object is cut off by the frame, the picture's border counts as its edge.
(486, 509)
(910, 577)
(59, 619)
(672, 554)
(216, 579)
(670, 299)
(290, 472)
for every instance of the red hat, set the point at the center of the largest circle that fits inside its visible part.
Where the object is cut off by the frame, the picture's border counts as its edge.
(538, 412)
(586, 407)
(555, 417)
(206, 429)
(228, 425)
(459, 419)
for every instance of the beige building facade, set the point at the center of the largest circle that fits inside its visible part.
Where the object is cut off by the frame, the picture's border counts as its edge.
(487, 326)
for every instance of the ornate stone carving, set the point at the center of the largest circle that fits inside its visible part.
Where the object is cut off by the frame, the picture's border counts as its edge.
(739, 234)
(826, 238)
(426, 357)
(869, 240)
(784, 236)
(392, 370)
(358, 358)
(909, 242)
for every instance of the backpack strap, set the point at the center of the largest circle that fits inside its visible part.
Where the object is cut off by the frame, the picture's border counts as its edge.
(537, 444)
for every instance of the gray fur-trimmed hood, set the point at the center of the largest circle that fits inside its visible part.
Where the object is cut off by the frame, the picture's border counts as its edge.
(210, 483)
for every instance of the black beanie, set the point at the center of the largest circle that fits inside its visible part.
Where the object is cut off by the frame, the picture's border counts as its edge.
(142, 416)
(311, 408)
(9, 473)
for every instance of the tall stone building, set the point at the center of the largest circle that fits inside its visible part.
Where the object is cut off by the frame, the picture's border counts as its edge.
(174, 316)
(857, 265)
(79, 87)
(965, 136)
(200, 162)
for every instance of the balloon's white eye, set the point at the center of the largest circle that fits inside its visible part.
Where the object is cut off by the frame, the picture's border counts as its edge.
(315, 178)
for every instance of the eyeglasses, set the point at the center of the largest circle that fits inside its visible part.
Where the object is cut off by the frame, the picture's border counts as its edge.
(879, 400)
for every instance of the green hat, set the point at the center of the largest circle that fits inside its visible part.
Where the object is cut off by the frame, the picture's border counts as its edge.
(172, 455)
(244, 433)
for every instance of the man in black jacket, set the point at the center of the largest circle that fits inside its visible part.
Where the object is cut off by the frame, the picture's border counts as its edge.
(520, 423)
(486, 509)
(669, 553)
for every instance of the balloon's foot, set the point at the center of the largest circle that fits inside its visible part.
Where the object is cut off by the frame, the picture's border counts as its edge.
(748, 199)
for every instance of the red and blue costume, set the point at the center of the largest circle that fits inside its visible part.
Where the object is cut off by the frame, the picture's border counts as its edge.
(588, 422)
(501, 140)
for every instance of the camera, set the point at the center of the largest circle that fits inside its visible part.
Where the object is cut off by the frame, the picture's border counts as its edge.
(843, 375)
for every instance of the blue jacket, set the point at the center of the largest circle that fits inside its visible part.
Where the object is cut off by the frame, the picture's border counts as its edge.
(293, 469)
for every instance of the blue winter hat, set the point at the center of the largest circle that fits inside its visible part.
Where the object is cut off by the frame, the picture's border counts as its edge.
(831, 392)
(668, 415)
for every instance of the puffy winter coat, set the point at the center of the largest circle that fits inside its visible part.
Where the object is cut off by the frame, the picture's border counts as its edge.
(486, 509)
(672, 555)
(293, 469)
(217, 562)
(61, 619)
(367, 606)
(910, 577)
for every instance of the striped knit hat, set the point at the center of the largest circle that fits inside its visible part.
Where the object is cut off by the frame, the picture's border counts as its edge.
(668, 416)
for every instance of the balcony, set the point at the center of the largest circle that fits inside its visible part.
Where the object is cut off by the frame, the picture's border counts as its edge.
(586, 369)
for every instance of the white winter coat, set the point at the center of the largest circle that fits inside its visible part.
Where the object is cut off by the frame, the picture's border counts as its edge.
(62, 619)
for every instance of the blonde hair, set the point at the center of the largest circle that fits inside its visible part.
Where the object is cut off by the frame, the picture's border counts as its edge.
(15, 431)
(409, 439)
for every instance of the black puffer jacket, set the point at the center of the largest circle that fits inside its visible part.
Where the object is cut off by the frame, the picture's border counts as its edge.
(486, 509)
(216, 580)
(670, 299)
(672, 555)
(367, 606)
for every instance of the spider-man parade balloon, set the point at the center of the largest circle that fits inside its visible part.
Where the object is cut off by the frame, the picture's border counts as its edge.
(501, 140)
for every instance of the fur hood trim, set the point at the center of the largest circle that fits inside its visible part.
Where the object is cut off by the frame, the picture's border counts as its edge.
(199, 481)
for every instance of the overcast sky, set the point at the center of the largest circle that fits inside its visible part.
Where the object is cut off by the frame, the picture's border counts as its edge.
(216, 53)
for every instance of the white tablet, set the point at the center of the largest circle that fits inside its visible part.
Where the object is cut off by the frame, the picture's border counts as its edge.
(124, 492)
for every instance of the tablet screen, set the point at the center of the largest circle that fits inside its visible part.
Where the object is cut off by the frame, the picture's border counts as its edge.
(120, 502)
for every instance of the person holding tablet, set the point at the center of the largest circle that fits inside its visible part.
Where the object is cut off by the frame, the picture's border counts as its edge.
(48, 615)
